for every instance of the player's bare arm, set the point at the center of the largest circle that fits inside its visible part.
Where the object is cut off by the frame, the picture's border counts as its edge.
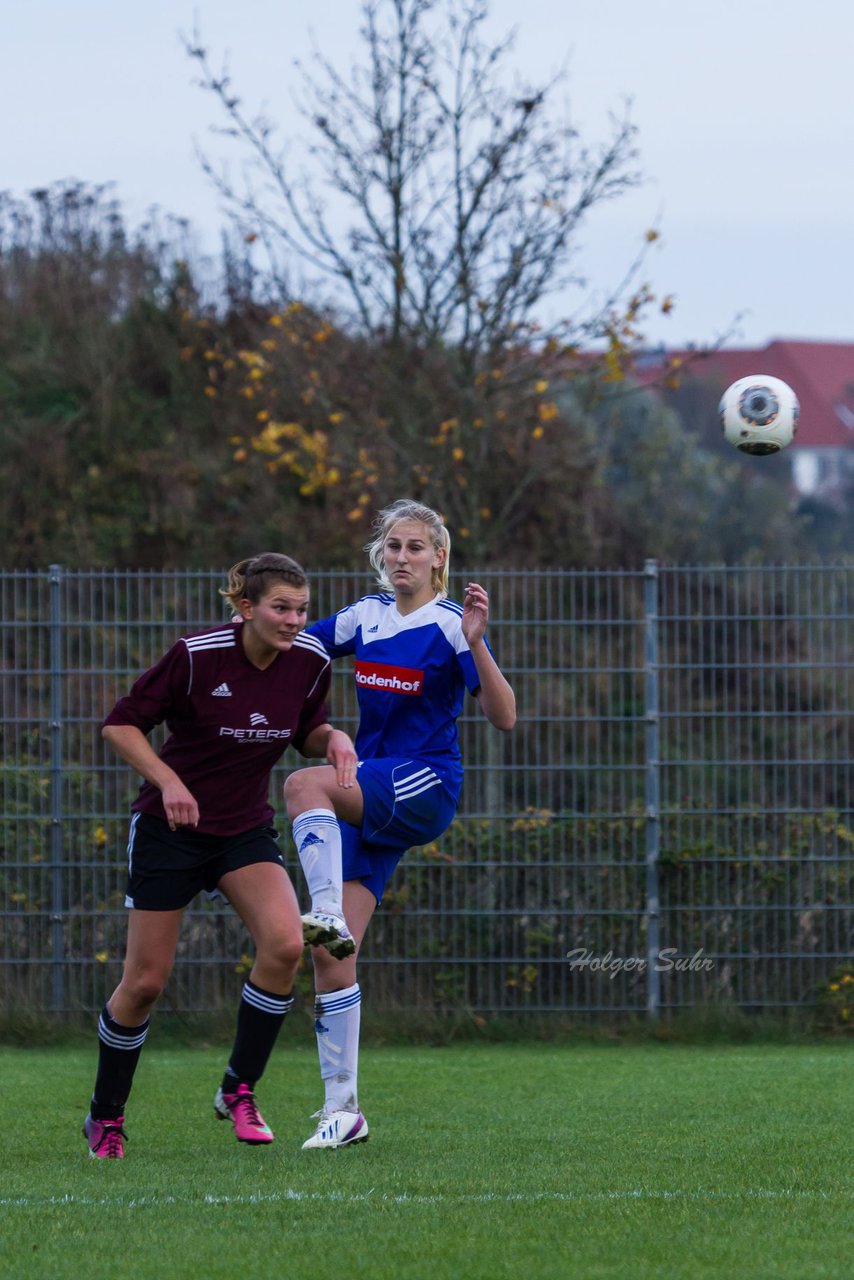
(495, 696)
(134, 748)
(333, 745)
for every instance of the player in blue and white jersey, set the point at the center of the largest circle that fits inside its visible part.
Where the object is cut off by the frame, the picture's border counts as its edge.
(234, 698)
(416, 653)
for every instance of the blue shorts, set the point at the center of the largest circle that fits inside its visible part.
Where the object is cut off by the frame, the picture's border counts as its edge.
(406, 804)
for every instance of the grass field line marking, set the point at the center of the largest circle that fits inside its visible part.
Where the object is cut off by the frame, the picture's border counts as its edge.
(372, 1197)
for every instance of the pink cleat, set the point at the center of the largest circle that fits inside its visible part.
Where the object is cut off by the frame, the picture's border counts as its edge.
(242, 1109)
(105, 1138)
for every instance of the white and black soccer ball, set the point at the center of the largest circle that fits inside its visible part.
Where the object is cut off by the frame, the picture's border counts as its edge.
(759, 414)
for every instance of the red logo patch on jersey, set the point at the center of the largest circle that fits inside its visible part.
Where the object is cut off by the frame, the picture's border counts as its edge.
(378, 675)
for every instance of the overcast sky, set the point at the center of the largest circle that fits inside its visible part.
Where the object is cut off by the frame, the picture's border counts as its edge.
(745, 110)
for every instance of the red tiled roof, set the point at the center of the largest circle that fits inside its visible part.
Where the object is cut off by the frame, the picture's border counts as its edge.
(821, 374)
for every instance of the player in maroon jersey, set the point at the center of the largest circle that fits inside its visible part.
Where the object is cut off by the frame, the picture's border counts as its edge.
(234, 698)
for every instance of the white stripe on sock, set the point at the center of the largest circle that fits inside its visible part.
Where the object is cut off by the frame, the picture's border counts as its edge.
(116, 1041)
(266, 1003)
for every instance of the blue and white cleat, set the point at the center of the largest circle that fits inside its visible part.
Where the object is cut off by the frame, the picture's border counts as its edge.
(337, 1129)
(320, 929)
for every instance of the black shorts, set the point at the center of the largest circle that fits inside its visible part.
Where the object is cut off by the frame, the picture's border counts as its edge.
(166, 869)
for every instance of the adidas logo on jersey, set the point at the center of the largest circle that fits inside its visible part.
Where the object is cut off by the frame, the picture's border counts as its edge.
(221, 691)
(375, 627)
(256, 718)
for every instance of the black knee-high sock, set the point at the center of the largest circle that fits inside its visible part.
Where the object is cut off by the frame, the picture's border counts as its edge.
(259, 1021)
(118, 1053)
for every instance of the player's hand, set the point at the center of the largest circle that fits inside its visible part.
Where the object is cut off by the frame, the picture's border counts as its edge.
(341, 754)
(180, 806)
(475, 612)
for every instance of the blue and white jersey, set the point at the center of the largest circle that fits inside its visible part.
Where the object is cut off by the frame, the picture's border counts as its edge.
(411, 676)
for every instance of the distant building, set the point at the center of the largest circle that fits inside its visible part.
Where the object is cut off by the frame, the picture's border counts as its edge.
(822, 376)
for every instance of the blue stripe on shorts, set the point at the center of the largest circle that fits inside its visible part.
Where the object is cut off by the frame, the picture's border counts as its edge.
(406, 804)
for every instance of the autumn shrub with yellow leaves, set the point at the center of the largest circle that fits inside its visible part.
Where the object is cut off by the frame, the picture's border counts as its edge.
(835, 999)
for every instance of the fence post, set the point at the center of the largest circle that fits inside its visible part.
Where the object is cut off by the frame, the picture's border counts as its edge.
(653, 784)
(57, 904)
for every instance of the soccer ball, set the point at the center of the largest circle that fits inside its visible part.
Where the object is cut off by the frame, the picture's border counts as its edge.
(759, 414)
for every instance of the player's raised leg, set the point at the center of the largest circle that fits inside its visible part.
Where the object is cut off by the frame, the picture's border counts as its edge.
(315, 802)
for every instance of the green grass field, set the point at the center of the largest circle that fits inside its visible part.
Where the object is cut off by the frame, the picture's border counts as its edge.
(487, 1160)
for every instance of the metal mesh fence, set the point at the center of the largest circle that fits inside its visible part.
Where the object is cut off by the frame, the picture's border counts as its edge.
(668, 825)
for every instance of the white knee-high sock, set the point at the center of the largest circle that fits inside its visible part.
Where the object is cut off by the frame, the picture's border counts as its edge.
(336, 1025)
(317, 837)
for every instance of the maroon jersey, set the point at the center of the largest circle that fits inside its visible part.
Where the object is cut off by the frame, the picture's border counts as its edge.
(229, 722)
